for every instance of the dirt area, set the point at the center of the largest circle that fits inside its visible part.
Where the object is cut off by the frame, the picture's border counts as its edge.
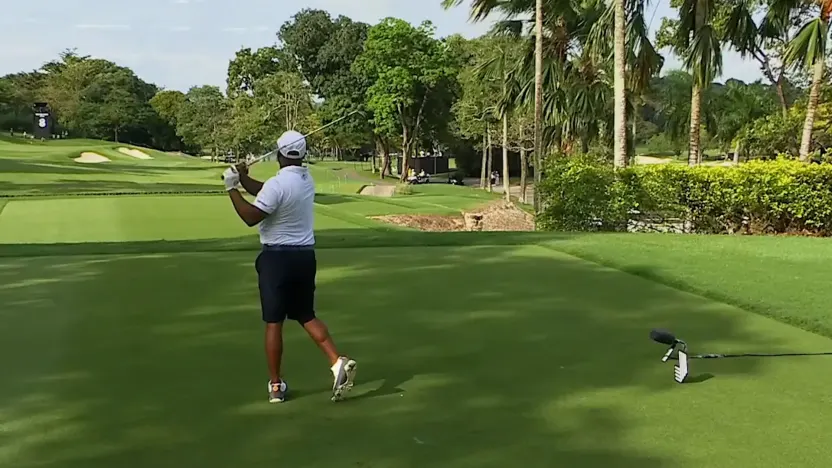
(379, 190)
(495, 216)
(431, 223)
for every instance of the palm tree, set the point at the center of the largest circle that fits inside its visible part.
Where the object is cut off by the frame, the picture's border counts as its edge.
(636, 62)
(497, 69)
(569, 78)
(698, 43)
(480, 10)
(808, 49)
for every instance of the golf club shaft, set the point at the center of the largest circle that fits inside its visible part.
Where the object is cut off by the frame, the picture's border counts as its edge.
(260, 158)
(257, 160)
(724, 356)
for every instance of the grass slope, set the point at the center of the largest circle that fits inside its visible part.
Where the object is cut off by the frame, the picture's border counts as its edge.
(786, 278)
(47, 168)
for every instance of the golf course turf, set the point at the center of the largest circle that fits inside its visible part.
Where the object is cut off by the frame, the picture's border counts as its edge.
(140, 344)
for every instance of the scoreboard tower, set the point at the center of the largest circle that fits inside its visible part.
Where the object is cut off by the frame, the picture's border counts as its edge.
(42, 127)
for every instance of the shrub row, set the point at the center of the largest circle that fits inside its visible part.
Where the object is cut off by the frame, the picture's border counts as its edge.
(779, 196)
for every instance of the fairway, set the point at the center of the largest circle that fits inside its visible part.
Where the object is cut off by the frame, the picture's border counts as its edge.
(155, 360)
(121, 219)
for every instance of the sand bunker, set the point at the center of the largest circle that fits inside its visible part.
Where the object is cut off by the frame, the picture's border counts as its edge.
(91, 158)
(134, 153)
(379, 190)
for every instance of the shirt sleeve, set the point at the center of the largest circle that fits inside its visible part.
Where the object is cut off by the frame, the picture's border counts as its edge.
(269, 197)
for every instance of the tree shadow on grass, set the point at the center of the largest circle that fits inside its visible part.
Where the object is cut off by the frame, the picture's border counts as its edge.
(378, 236)
(469, 357)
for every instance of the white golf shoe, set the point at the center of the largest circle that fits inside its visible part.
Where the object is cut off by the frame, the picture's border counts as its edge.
(343, 374)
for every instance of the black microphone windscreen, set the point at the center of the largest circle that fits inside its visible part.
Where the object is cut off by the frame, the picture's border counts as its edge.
(662, 336)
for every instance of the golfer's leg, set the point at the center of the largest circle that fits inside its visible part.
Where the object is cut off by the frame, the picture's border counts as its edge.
(319, 333)
(274, 349)
(303, 309)
(273, 306)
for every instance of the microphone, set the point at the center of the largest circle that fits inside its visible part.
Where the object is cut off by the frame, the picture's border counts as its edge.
(663, 336)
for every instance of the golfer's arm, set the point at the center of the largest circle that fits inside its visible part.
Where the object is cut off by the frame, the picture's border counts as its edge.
(252, 186)
(249, 213)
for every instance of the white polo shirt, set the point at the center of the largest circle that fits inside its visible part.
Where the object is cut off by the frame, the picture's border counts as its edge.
(289, 199)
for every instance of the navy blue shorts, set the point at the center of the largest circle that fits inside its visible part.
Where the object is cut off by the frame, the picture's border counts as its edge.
(286, 277)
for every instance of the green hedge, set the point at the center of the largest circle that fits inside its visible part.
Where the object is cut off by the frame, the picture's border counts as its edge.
(780, 196)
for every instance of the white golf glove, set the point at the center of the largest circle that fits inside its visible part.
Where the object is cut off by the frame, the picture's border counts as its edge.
(231, 178)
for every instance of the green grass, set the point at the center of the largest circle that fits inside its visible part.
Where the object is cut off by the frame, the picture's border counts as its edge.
(784, 278)
(132, 360)
(131, 337)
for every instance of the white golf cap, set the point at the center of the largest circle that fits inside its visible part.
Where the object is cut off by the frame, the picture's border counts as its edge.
(292, 145)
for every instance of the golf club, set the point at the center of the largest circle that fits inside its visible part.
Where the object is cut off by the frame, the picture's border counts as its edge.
(260, 158)
(665, 337)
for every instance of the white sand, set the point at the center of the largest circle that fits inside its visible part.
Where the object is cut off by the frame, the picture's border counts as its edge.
(91, 158)
(134, 153)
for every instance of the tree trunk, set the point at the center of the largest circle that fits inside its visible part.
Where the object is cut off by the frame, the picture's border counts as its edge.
(538, 102)
(620, 121)
(781, 94)
(484, 165)
(631, 140)
(523, 168)
(116, 134)
(405, 154)
(811, 108)
(506, 184)
(694, 152)
(490, 158)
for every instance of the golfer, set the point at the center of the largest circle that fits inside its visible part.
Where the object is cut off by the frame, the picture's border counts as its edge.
(283, 209)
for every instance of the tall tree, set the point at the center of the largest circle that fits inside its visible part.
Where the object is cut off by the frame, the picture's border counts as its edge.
(808, 49)
(324, 49)
(167, 104)
(248, 66)
(204, 119)
(410, 72)
(765, 39)
(502, 55)
(696, 40)
(112, 103)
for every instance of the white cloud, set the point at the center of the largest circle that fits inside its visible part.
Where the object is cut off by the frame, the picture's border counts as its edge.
(234, 29)
(104, 27)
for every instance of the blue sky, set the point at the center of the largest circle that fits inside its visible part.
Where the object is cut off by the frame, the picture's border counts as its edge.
(181, 43)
